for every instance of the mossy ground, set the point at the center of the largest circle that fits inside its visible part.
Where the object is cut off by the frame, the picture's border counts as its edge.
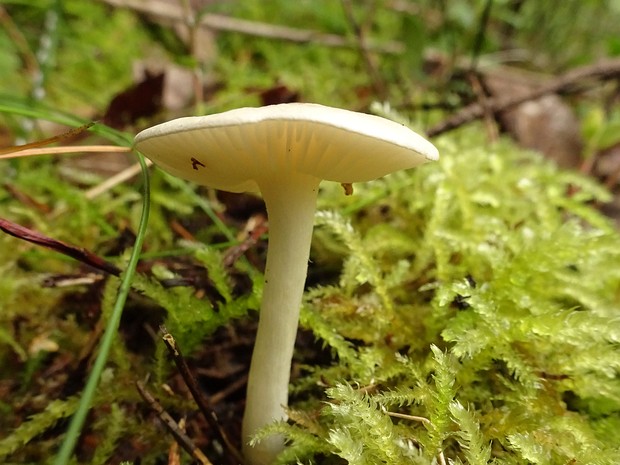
(466, 311)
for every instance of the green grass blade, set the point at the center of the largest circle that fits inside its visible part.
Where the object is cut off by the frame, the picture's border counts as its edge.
(78, 419)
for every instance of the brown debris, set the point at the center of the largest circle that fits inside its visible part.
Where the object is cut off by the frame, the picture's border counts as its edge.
(138, 101)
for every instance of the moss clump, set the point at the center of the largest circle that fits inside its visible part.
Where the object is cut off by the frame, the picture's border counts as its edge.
(497, 261)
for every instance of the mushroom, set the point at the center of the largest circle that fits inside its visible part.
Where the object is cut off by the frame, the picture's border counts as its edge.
(282, 151)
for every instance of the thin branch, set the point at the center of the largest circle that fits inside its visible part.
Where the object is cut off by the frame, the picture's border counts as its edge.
(425, 421)
(483, 100)
(201, 400)
(171, 425)
(404, 416)
(480, 34)
(371, 64)
(571, 81)
(192, 25)
(228, 390)
(26, 54)
(115, 180)
(216, 22)
(77, 253)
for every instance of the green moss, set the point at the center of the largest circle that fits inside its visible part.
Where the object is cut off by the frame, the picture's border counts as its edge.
(498, 258)
(478, 297)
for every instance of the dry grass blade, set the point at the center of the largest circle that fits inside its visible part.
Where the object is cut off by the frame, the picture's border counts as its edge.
(50, 140)
(115, 180)
(17, 152)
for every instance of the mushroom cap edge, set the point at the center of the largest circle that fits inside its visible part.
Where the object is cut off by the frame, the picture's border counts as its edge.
(232, 150)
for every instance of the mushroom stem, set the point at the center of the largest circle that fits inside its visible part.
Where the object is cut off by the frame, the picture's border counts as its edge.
(291, 205)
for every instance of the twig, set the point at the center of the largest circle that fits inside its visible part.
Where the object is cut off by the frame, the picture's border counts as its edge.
(174, 458)
(71, 280)
(192, 25)
(78, 253)
(569, 82)
(403, 416)
(480, 34)
(440, 456)
(166, 10)
(201, 400)
(28, 58)
(115, 180)
(26, 199)
(483, 99)
(185, 442)
(371, 65)
(232, 387)
(254, 228)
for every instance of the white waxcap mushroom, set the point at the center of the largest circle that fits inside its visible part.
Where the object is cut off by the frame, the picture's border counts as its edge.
(230, 150)
(283, 152)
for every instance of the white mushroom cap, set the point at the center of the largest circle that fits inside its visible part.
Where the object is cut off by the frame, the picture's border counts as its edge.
(231, 150)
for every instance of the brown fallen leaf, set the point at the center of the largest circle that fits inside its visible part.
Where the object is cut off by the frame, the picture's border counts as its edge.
(138, 101)
(278, 94)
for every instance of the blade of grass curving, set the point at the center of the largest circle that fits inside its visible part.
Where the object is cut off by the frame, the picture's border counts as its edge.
(11, 105)
(19, 106)
(78, 419)
(38, 110)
